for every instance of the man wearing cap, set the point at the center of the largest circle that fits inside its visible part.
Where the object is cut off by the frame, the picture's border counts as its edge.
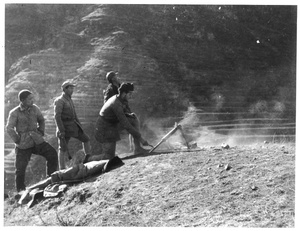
(111, 90)
(113, 85)
(26, 126)
(67, 124)
(110, 116)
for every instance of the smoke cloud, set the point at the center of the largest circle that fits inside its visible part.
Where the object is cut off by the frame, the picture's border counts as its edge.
(263, 122)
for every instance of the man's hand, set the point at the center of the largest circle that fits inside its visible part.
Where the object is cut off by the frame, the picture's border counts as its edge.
(144, 142)
(130, 115)
(19, 140)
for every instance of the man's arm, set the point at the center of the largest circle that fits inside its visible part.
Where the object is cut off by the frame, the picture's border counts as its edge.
(41, 121)
(109, 92)
(58, 107)
(119, 112)
(11, 125)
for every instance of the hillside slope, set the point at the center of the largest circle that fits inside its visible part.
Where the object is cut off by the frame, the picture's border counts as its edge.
(243, 186)
(225, 73)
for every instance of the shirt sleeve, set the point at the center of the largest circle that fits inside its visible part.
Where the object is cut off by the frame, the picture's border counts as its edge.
(11, 125)
(40, 120)
(119, 112)
(109, 92)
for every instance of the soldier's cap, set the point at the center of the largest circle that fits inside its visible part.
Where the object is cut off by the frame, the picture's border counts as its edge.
(126, 87)
(23, 94)
(110, 75)
(68, 83)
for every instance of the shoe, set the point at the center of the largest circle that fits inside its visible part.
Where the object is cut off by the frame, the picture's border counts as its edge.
(112, 163)
(17, 196)
(140, 150)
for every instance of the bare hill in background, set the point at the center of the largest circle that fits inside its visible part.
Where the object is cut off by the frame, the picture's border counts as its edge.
(226, 73)
(233, 59)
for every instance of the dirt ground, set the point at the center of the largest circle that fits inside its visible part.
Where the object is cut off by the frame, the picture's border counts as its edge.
(242, 186)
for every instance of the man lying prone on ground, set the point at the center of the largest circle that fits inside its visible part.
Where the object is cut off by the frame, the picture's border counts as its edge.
(74, 174)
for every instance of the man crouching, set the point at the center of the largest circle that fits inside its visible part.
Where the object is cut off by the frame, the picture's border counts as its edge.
(111, 114)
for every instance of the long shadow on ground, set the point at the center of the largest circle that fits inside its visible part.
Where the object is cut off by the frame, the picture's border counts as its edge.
(128, 156)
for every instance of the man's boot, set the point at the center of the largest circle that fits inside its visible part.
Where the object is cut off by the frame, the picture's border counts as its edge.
(131, 143)
(109, 150)
(137, 147)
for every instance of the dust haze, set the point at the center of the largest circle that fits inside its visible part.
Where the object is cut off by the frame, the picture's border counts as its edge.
(200, 128)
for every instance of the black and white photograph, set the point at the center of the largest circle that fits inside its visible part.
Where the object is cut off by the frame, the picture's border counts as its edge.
(122, 115)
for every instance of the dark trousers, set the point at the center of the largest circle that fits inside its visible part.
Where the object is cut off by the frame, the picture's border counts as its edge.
(23, 157)
(109, 150)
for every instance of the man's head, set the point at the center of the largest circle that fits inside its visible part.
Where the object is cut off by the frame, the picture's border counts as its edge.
(68, 87)
(26, 97)
(125, 89)
(112, 77)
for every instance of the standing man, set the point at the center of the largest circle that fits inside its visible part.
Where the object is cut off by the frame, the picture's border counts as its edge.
(113, 85)
(111, 115)
(67, 124)
(112, 89)
(26, 127)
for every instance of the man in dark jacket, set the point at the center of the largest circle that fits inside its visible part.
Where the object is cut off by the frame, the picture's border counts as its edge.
(67, 124)
(111, 90)
(111, 115)
(113, 85)
(26, 127)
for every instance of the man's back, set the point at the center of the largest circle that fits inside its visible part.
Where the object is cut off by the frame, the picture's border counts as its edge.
(110, 91)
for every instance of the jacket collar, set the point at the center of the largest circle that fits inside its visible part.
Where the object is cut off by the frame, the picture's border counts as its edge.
(119, 97)
(23, 108)
(66, 96)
